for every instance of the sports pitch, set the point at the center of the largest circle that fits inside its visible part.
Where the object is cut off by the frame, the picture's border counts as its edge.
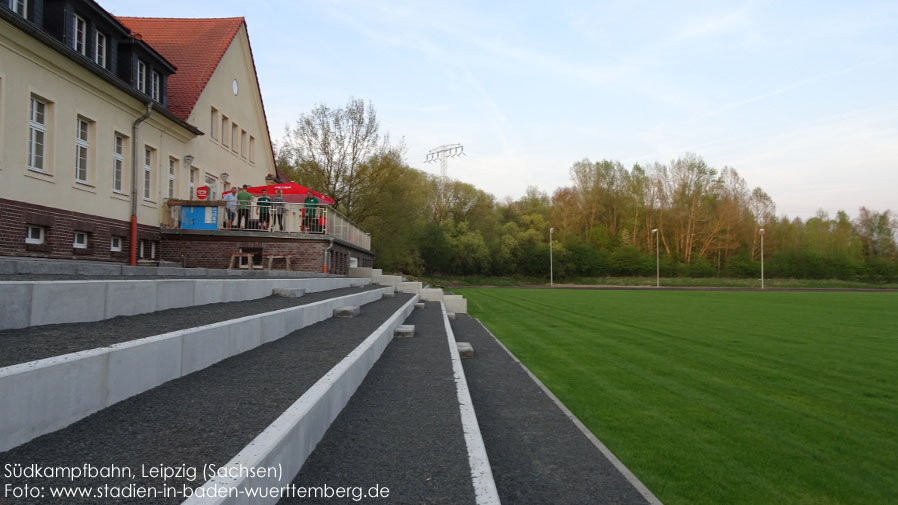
(721, 397)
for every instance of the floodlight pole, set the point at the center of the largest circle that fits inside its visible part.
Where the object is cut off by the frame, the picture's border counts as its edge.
(762, 258)
(657, 258)
(551, 273)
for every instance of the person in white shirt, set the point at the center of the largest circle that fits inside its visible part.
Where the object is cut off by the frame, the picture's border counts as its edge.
(230, 199)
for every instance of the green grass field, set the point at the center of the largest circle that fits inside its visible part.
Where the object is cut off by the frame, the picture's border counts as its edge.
(722, 397)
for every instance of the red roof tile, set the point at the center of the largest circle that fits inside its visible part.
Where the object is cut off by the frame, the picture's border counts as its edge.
(194, 46)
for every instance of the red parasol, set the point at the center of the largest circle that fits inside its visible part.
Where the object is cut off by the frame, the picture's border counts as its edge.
(293, 192)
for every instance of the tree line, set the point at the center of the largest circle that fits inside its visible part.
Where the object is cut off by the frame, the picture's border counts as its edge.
(610, 221)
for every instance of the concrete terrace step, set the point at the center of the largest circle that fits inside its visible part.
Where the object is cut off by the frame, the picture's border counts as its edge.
(404, 427)
(539, 452)
(33, 303)
(267, 406)
(50, 393)
(14, 266)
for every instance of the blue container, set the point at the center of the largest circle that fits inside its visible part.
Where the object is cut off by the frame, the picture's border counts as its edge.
(199, 218)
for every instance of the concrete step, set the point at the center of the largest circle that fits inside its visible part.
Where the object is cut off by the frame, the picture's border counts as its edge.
(539, 451)
(410, 287)
(387, 280)
(409, 426)
(267, 407)
(33, 303)
(11, 267)
(53, 392)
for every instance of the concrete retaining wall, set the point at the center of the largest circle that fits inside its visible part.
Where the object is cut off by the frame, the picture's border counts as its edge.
(43, 396)
(32, 303)
(292, 437)
(432, 294)
(456, 304)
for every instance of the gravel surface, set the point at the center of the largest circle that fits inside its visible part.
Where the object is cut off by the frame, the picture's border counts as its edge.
(28, 344)
(402, 428)
(537, 454)
(206, 417)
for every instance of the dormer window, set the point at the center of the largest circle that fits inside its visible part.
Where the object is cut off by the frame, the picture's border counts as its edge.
(141, 76)
(20, 7)
(80, 33)
(100, 56)
(157, 87)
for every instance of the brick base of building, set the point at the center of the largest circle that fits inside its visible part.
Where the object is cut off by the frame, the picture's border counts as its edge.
(61, 225)
(214, 250)
(191, 249)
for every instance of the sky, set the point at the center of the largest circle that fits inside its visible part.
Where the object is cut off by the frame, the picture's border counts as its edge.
(801, 98)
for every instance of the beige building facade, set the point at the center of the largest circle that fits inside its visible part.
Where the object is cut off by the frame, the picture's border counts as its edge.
(69, 148)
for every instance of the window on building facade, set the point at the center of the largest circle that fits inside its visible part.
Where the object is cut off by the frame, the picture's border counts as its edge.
(243, 142)
(212, 182)
(172, 169)
(141, 76)
(80, 241)
(82, 149)
(147, 172)
(193, 172)
(157, 87)
(213, 124)
(252, 149)
(224, 130)
(234, 138)
(118, 162)
(100, 56)
(115, 244)
(20, 7)
(37, 134)
(146, 249)
(79, 32)
(35, 234)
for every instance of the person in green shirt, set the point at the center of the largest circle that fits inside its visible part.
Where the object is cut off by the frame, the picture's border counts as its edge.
(264, 204)
(311, 206)
(244, 200)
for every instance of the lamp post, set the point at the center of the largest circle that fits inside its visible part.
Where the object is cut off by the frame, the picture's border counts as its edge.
(551, 273)
(762, 257)
(657, 258)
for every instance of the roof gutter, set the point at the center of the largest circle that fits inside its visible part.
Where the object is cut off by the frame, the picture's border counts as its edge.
(135, 130)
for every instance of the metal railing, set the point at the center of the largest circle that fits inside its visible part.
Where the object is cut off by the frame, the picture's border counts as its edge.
(278, 217)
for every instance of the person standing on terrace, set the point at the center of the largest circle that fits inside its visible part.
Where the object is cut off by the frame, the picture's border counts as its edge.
(264, 203)
(277, 205)
(245, 200)
(230, 199)
(311, 206)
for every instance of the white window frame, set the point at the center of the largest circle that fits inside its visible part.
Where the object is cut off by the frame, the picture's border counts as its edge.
(82, 146)
(100, 48)
(152, 249)
(156, 87)
(80, 245)
(41, 234)
(147, 172)
(172, 169)
(35, 127)
(118, 163)
(140, 244)
(115, 244)
(141, 76)
(79, 40)
(20, 7)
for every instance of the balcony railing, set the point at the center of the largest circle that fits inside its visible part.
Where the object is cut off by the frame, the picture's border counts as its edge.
(294, 218)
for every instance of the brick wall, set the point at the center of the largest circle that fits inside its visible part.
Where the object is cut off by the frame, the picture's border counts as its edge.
(61, 226)
(214, 251)
(209, 251)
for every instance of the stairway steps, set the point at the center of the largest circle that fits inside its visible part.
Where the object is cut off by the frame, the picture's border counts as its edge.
(206, 417)
(537, 452)
(402, 429)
